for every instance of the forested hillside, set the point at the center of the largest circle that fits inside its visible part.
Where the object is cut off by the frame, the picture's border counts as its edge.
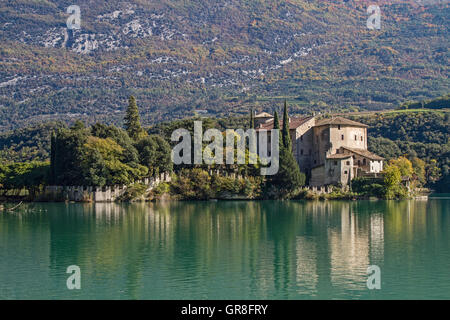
(27, 144)
(178, 57)
(421, 134)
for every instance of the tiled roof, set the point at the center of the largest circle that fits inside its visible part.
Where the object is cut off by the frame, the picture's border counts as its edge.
(263, 115)
(339, 156)
(364, 153)
(293, 124)
(339, 120)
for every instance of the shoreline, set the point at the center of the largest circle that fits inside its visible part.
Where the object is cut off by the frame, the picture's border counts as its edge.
(240, 199)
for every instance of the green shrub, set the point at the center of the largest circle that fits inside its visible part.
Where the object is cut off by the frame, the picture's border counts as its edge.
(133, 192)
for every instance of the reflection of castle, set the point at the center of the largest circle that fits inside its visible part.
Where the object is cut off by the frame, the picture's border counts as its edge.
(331, 151)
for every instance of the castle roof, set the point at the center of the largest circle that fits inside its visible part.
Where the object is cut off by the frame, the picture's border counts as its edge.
(365, 153)
(339, 156)
(340, 121)
(264, 115)
(294, 123)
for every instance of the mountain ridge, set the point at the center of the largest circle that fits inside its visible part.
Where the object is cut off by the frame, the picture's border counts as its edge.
(177, 57)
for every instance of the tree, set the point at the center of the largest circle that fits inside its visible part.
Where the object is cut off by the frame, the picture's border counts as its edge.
(133, 121)
(120, 136)
(103, 155)
(286, 137)
(392, 182)
(443, 185)
(392, 176)
(433, 171)
(419, 170)
(384, 147)
(155, 154)
(289, 176)
(404, 165)
(252, 119)
(102, 164)
(67, 155)
(276, 121)
(78, 125)
(52, 157)
(29, 175)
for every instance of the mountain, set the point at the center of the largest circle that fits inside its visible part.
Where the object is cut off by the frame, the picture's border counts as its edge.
(224, 56)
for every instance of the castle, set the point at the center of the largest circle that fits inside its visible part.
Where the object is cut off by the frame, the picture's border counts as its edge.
(330, 151)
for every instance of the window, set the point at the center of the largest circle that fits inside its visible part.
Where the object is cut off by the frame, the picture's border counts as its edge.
(301, 151)
(348, 163)
(339, 127)
(335, 163)
(364, 161)
(359, 162)
(342, 137)
(301, 137)
(356, 137)
(361, 138)
(345, 172)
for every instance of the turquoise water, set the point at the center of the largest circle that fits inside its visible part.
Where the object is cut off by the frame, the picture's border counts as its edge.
(227, 250)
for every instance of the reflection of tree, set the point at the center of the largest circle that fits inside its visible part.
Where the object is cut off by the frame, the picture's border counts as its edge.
(261, 249)
(282, 229)
(24, 249)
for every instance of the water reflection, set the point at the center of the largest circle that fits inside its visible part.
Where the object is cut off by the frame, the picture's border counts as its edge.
(225, 250)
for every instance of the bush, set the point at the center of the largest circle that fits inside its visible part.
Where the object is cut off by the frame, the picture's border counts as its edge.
(192, 184)
(197, 184)
(368, 187)
(133, 192)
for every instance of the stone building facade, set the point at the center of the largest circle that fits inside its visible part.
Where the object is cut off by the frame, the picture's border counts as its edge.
(331, 151)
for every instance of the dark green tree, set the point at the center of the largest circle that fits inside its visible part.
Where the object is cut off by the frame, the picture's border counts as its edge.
(133, 120)
(102, 164)
(67, 156)
(289, 176)
(24, 175)
(155, 154)
(52, 158)
(276, 121)
(130, 154)
(78, 125)
(285, 133)
(252, 119)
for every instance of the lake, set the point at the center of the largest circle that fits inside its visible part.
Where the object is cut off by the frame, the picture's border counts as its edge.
(227, 250)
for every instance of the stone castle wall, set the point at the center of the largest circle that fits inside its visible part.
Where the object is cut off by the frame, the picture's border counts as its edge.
(97, 194)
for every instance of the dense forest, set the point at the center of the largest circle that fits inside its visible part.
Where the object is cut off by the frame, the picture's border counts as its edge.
(414, 143)
(102, 155)
(423, 134)
(223, 57)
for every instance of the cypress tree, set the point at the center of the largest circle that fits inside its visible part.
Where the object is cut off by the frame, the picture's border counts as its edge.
(53, 158)
(289, 176)
(133, 121)
(276, 122)
(285, 133)
(252, 119)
